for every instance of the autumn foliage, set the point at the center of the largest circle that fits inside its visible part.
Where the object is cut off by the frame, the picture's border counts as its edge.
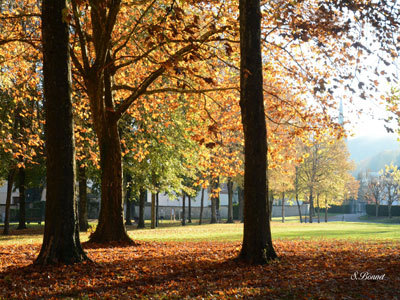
(318, 270)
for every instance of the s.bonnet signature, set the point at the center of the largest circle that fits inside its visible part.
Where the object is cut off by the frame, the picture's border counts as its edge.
(366, 276)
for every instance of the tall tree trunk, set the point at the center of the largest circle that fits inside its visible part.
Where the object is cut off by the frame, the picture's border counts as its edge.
(82, 212)
(241, 203)
(153, 211)
(270, 204)
(142, 201)
(213, 203)
(190, 209)
(318, 207)
(183, 210)
(257, 245)
(61, 244)
(157, 208)
(22, 207)
(390, 210)
(283, 207)
(111, 220)
(128, 200)
(311, 205)
(10, 181)
(201, 206)
(296, 183)
(376, 209)
(230, 201)
(298, 206)
(326, 209)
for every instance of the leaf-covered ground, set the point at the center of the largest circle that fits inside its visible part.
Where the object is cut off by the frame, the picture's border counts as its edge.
(179, 270)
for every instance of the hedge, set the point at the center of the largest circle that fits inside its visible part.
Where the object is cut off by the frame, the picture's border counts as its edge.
(343, 209)
(383, 210)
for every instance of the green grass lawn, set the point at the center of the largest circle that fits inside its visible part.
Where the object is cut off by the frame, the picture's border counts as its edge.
(173, 231)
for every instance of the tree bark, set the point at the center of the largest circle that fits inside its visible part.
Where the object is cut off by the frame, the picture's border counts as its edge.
(270, 204)
(111, 220)
(190, 209)
(376, 209)
(283, 207)
(83, 214)
(230, 201)
(213, 203)
(201, 206)
(257, 245)
(153, 211)
(390, 210)
(10, 181)
(22, 199)
(183, 210)
(142, 200)
(298, 206)
(61, 244)
(296, 183)
(318, 207)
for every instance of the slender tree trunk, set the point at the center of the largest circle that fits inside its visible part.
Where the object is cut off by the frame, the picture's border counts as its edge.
(298, 206)
(390, 210)
(230, 201)
(270, 204)
(183, 210)
(157, 208)
(128, 200)
(190, 209)
(22, 207)
(376, 209)
(241, 203)
(61, 244)
(311, 205)
(326, 210)
(283, 207)
(83, 215)
(318, 208)
(257, 245)
(201, 206)
(213, 203)
(142, 201)
(153, 210)
(10, 181)
(296, 183)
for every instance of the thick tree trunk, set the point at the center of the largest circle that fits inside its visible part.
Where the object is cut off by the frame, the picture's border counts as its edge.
(283, 207)
(142, 201)
(257, 245)
(190, 209)
(111, 220)
(22, 206)
(201, 206)
(128, 200)
(183, 210)
(230, 201)
(83, 214)
(153, 211)
(61, 244)
(241, 204)
(10, 181)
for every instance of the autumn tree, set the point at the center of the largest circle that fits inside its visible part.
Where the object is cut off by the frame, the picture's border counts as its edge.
(375, 193)
(61, 242)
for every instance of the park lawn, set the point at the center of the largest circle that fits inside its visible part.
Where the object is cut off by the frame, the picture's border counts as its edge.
(173, 231)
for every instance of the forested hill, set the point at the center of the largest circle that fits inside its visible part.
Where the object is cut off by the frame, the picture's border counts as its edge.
(371, 153)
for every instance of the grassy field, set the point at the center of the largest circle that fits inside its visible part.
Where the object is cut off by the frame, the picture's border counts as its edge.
(292, 229)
